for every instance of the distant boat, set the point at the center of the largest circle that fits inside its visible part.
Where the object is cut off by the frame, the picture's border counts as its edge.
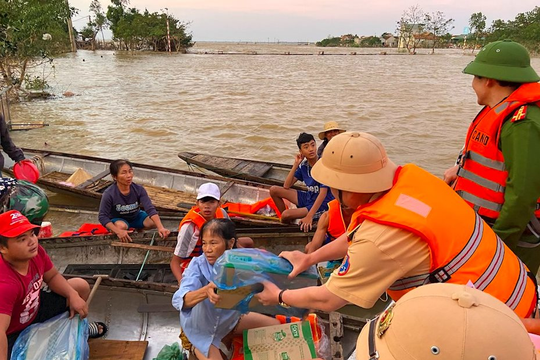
(25, 126)
(264, 172)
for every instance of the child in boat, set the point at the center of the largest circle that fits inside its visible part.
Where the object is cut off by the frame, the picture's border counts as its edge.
(310, 203)
(120, 207)
(207, 327)
(331, 129)
(24, 266)
(189, 244)
(331, 225)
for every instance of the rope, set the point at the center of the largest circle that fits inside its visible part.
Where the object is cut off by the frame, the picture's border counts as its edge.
(39, 162)
(146, 257)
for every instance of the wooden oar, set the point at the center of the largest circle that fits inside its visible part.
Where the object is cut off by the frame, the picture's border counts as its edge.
(95, 287)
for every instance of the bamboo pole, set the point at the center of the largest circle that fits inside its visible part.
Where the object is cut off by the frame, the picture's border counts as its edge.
(70, 30)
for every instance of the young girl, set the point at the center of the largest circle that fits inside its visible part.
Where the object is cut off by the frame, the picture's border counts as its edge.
(205, 325)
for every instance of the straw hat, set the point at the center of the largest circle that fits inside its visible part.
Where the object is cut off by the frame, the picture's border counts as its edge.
(446, 322)
(329, 126)
(356, 162)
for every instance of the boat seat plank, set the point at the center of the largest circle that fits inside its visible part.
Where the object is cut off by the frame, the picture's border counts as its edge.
(117, 349)
(169, 198)
(56, 176)
(99, 176)
(256, 169)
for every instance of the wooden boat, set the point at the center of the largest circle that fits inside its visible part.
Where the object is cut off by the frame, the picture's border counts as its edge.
(171, 190)
(25, 126)
(252, 170)
(141, 321)
(106, 249)
(135, 297)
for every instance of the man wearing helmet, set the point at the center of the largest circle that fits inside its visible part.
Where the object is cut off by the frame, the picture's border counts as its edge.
(409, 229)
(498, 171)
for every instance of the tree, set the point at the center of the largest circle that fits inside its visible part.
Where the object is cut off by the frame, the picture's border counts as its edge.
(477, 26)
(371, 41)
(146, 30)
(409, 25)
(438, 25)
(100, 19)
(31, 32)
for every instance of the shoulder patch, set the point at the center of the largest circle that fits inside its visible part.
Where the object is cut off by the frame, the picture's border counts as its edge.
(520, 114)
(345, 265)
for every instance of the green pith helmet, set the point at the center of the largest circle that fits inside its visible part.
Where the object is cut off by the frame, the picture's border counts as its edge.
(504, 61)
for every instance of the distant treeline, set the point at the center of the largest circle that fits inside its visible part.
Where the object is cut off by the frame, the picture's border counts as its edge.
(134, 30)
(416, 28)
(525, 29)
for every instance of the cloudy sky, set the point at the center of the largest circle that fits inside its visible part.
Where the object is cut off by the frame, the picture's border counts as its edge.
(308, 20)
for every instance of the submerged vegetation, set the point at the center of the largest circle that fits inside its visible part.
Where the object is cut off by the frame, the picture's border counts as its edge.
(31, 32)
(146, 31)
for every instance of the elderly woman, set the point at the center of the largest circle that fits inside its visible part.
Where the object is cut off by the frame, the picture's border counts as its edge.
(204, 325)
(120, 207)
(331, 129)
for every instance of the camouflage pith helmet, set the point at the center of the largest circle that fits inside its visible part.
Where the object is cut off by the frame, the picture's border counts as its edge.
(504, 61)
(30, 201)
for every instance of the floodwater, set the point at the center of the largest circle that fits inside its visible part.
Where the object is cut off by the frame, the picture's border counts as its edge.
(148, 107)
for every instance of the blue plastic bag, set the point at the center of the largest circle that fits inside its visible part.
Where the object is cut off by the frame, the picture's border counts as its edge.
(59, 338)
(248, 268)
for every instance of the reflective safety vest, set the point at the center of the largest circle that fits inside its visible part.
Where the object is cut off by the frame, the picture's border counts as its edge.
(482, 174)
(196, 218)
(462, 246)
(336, 223)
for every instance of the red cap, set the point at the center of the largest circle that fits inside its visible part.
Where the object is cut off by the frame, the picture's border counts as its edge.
(13, 224)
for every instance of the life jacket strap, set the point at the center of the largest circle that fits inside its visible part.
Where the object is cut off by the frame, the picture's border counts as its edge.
(478, 201)
(491, 185)
(444, 273)
(487, 162)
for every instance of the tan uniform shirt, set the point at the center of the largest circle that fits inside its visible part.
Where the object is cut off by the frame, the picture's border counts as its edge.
(378, 256)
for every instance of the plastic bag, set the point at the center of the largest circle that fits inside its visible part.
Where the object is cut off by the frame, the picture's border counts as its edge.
(245, 268)
(170, 352)
(59, 338)
(322, 344)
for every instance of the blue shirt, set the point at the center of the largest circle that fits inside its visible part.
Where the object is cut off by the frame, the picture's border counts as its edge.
(203, 324)
(303, 173)
(114, 204)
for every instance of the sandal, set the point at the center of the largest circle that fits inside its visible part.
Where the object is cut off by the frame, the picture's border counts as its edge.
(93, 329)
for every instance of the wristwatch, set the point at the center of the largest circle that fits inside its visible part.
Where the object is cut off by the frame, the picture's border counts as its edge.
(280, 299)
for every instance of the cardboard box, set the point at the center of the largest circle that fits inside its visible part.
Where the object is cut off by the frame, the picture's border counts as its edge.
(293, 341)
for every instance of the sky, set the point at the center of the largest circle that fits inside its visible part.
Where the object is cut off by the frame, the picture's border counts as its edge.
(307, 20)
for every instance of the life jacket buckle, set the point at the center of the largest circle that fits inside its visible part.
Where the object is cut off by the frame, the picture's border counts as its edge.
(439, 275)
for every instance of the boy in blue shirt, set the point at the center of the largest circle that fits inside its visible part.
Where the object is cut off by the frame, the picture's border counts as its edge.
(311, 203)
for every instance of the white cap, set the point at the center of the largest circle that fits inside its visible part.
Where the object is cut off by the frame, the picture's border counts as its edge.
(208, 190)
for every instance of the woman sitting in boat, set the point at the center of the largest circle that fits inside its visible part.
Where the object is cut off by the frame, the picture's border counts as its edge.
(120, 207)
(210, 329)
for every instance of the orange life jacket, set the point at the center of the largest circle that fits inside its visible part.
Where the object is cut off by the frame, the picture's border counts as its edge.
(336, 223)
(462, 246)
(482, 174)
(193, 216)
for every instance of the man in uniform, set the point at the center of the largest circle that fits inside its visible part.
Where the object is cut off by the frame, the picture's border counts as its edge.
(409, 229)
(498, 171)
